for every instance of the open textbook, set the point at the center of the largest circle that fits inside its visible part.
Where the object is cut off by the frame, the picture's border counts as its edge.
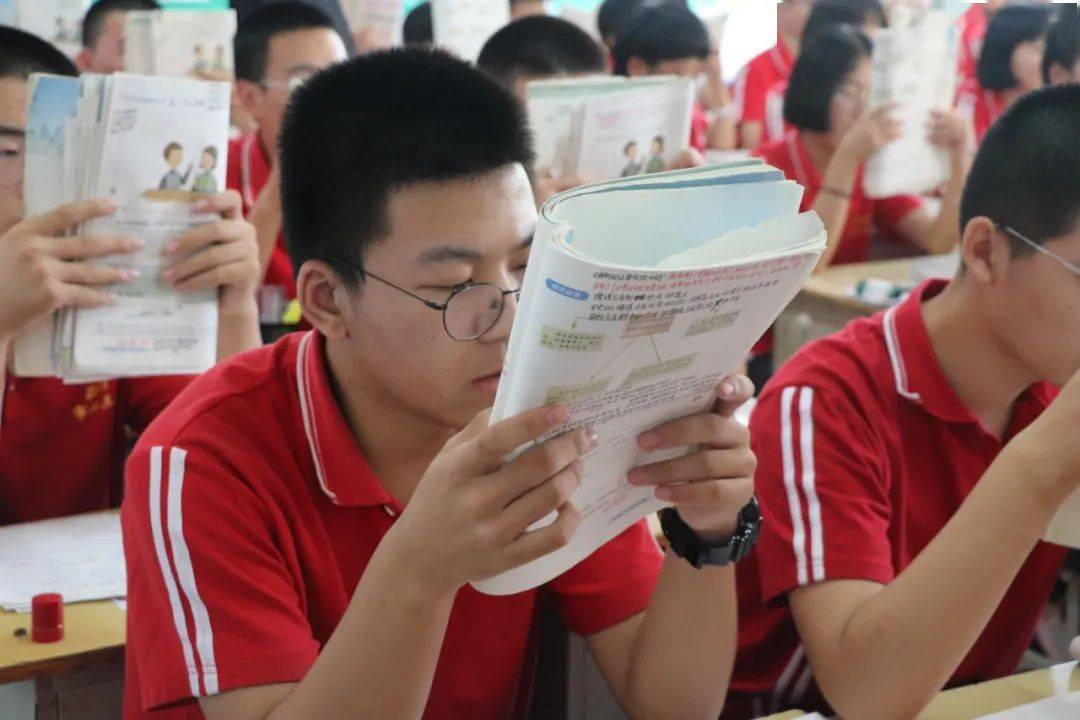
(180, 43)
(913, 67)
(602, 127)
(640, 295)
(58, 21)
(463, 26)
(154, 145)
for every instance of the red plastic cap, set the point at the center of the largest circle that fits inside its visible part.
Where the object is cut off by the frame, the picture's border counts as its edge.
(47, 618)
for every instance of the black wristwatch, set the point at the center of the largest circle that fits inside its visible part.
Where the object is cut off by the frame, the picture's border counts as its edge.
(686, 543)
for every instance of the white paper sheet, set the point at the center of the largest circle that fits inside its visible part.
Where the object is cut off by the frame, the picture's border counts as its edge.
(1064, 707)
(80, 557)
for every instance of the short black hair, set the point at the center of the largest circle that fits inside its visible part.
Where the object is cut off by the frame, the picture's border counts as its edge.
(251, 45)
(1009, 27)
(22, 53)
(830, 13)
(1062, 41)
(417, 28)
(819, 71)
(1024, 172)
(358, 131)
(655, 33)
(611, 15)
(540, 46)
(93, 23)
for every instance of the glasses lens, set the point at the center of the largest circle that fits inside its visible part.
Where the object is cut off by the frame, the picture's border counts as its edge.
(473, 311)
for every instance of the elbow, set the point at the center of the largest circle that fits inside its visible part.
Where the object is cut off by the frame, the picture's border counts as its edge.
(860, 699)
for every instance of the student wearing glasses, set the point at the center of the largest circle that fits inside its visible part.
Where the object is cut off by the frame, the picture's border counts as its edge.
(910, 464)
(276, 48)
(301, 529)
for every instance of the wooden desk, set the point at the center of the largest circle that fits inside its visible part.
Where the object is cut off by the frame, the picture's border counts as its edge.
(974, 701)
(825, 305)
(977, 700)
(80, 676)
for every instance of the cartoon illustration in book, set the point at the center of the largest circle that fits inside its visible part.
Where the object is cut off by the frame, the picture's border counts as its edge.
(174, 157)
(655, 163)
(633, 165)
(205, 182)
(200, 66)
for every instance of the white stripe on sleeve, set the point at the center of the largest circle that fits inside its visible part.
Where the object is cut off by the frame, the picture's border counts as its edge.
(813, 506)
(204, 633)
(798, 532)
(165, 566)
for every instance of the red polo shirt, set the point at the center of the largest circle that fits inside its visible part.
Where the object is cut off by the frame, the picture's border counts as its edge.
(247, 173)
(865, 452)
(754, 82)
(981, 107)
(865, 216)
(972, 30)
(249, 519)
(62, 446)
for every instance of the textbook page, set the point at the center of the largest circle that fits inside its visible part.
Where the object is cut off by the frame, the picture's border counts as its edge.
(164, 145)
(180, 43)
(634, 133)
(1061, 707)
(913, 67)
(58, 21)
(80, 557)
(463, 26)
(629, 331)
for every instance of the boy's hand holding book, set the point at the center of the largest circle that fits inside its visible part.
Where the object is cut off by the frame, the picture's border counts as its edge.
(42, 270)
(222, 254)
(469, 518)
(710, 486)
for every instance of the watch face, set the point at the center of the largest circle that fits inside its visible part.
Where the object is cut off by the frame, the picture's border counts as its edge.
(751, 513)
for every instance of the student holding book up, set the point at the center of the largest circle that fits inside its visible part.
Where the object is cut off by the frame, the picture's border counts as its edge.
(836, 132)
(62, 446)
(910, 464)
(277, 47)
(541, 48)
(328, 499)
(669, 39)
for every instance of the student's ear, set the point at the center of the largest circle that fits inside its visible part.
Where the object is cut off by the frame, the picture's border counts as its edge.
(636, 67)
(250, 95)
(985, 251)
(323, 297)
(82, 60)
(1059, 75)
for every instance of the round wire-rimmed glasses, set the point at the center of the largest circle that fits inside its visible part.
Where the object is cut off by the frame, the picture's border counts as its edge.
(470, 311)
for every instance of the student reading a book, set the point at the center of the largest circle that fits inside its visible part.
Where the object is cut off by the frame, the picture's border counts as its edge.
(905, 499)
(867, 15)
(767, 70)
(1009, 65)
(669, 39)
(348, 477)
(103, 35)
(835, 132)
(541, 48)
(276, 48)
(1061, 61)
(62, 446)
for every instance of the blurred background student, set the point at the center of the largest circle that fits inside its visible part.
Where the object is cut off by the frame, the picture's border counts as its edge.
(103, 35)
(1009, 65)
(1061, 61)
